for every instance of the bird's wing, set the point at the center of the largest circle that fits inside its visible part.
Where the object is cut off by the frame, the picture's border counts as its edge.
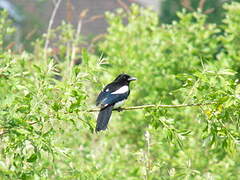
(101, 97)
(114, 98)
(112, 93)
(107, 98)
(105, 93)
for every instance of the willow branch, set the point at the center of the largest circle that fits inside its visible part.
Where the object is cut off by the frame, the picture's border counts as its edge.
(150, 106)
(153, 106)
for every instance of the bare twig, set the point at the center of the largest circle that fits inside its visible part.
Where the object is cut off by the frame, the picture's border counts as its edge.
(11, 45)
(69, 11)
(201, 4)
(93, 18)
(124, 5)
(209, 11)
(98, 37)
(94, 40)
(153, 106)
(30, 34)
(3, 132)
(50, 26)
(79, 27)
(187, 4)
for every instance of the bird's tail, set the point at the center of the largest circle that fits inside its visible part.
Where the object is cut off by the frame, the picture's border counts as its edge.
(103, 118)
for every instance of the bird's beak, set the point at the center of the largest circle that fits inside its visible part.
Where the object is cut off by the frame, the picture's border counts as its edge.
(132, 79)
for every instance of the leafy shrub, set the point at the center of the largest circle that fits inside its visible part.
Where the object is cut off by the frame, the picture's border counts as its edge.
(185, 62)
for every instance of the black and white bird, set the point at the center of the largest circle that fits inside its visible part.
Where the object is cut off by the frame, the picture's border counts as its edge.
(112, 97)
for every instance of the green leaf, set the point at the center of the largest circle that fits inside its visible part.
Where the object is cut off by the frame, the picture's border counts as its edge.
(32, 158)
(85, 56)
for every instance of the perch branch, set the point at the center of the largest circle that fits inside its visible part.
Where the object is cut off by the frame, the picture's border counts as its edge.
(153, 106)
(150, 106)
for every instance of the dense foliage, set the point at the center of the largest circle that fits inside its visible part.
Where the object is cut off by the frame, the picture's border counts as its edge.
(46, 131)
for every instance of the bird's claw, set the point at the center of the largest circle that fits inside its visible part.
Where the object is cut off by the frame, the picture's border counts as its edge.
(119, 109)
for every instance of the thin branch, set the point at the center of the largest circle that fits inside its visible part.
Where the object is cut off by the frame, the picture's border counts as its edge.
(69, 11)
(150, 106)
(79, 27)
(93, 18)
(3, 132)
(50, 26)
(153, 106)
(201, 4)
(124, 5)
(187, 4)
(209, 11)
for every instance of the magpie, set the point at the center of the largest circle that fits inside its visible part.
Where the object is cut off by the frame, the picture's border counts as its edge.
(112, 97)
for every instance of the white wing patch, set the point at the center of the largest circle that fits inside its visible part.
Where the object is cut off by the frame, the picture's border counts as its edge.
(121, 90)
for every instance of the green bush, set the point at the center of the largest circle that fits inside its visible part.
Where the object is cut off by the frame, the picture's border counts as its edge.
(46, 130)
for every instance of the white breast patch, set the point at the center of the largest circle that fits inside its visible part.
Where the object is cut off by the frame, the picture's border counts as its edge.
(121, 90)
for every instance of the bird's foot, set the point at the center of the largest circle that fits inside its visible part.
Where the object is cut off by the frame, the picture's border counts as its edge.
(119, 109)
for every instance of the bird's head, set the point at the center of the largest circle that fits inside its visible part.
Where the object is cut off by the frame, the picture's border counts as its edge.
(125, 78)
